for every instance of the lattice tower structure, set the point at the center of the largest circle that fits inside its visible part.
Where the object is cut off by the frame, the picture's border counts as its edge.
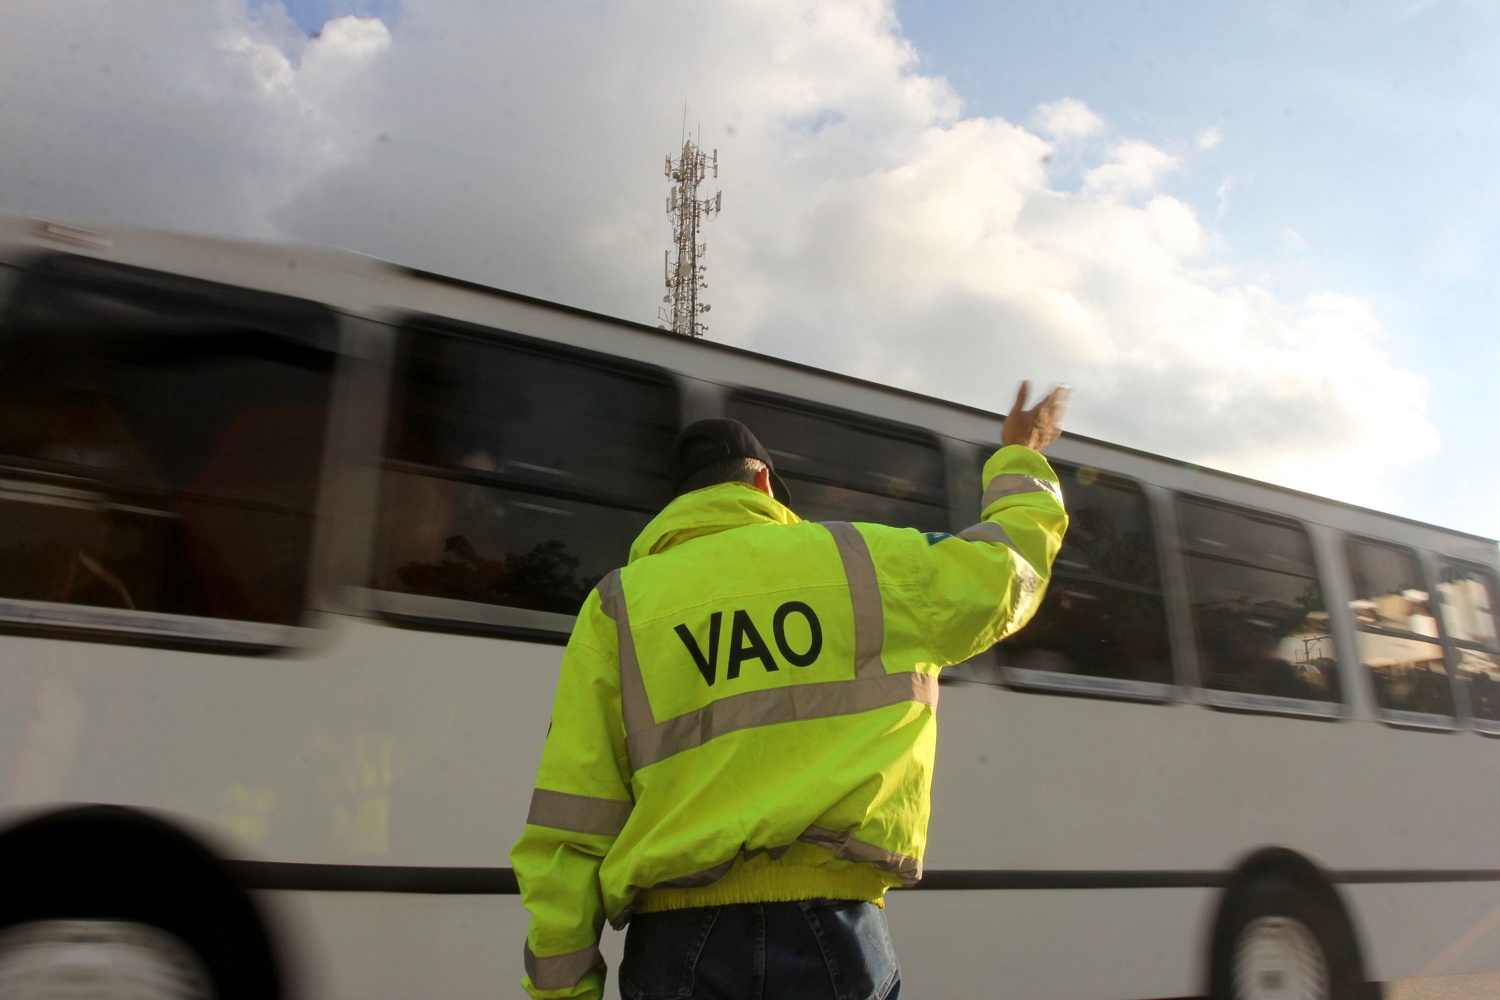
(686, 278)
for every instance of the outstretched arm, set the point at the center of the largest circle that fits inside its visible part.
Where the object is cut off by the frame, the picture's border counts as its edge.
(988, 580)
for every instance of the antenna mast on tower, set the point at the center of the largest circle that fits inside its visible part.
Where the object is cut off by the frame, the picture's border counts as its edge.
(685, 274)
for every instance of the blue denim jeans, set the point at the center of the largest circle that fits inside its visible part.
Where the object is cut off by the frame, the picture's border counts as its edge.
(820, 949)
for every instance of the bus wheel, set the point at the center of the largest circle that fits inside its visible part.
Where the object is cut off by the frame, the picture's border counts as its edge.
(104, 896)
(1279, 939)
(99, 959)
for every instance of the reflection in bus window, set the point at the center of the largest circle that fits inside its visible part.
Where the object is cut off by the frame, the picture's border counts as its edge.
(159, 443)
(1389, 591)
(1397, 630)
(515, 476)
(1258, 610)
(1469, 616)
(1103, 614)
(1468, 609)
(839, 468)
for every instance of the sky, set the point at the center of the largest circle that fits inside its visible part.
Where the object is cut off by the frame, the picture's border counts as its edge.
(1255, 236)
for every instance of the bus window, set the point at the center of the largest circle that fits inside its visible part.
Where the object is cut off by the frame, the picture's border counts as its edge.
(1397, 631)
(1258, 610)
(841, 467)
(514, 474)
(1467, 600)
(159, 445)
(1103, 616)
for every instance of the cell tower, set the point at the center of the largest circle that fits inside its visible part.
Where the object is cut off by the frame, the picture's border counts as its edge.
(685, 273)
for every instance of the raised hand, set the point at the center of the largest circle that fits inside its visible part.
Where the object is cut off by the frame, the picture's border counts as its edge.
(1039, 426)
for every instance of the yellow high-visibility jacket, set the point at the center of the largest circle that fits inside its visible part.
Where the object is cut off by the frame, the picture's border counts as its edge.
(746, 710)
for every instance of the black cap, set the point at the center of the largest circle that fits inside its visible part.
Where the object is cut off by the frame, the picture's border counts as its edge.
(704, 442)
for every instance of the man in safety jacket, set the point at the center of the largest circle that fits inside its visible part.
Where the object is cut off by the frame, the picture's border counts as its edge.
(742, 744)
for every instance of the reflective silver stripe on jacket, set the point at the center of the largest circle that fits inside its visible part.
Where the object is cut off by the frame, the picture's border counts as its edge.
(558, 972)
(864, 595)
(847, 848)
(578, 813)
(988, 531)
(634, 705)
(824, 700)
(1009, 484)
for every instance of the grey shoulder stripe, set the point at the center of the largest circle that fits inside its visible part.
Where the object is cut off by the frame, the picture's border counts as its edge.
(864, 595)
(578, 813)
(771, 706)
(847, 848)
(1012, 483)
(559, 972)
(635, 707)
(988, 531)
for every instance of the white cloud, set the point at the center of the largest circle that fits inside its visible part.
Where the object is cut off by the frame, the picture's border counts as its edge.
(1133, 167)
(868, 225)
(342, 49)
(177, 114)
(1211, 137)
(1067, 119)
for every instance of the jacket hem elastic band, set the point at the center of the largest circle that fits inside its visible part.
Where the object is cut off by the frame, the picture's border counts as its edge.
(774, 883)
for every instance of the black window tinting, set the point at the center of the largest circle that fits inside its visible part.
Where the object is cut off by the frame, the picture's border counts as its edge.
(1103, 615)
(1109, 529)
(516, 474)
(1479, 670)
(160, 442)
(550, 420)
(1258, 610)
(1274, 544)
(841, 467)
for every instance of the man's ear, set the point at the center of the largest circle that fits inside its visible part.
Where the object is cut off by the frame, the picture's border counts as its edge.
(763, 482)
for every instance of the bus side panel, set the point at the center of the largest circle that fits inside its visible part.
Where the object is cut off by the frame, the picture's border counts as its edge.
(395, 946)
(387, 747)
(1050, 944)
(390, 746)
(1431, 929)
(1038, 781)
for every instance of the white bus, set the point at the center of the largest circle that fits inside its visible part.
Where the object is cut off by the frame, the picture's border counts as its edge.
(290, 541)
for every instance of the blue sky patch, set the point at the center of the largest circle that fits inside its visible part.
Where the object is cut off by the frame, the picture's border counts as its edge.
(311, 15)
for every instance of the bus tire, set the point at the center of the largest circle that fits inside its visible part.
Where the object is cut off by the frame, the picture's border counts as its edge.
(1280, 935)
(128, 896)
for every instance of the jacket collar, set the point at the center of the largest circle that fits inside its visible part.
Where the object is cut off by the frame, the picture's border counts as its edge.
(707, 512)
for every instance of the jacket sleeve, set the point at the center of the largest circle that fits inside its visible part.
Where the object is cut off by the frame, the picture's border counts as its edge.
(986, 582)
(581, 802)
